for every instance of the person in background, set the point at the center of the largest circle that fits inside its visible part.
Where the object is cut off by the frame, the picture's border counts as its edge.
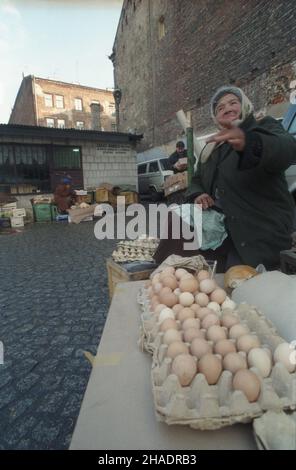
(174, 158)
(64, 195)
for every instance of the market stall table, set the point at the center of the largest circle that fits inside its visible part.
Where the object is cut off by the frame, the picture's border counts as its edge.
(118, 411)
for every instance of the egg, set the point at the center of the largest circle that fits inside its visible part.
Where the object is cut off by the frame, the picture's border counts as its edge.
(238, 330)
(203, 274)
(207, 286)
(159, 308)
(211, 366)
(216, 333)
(228, 303)
(224, 346)
(209, 320)
(191, 333)
(247, 342)
(177, 292)
(166, 313)
(228, 320)
(176, 348)
(248, 383)
(195, 308)
(260, 359)
(234, 361)
(170, 281)
(190, 323)
(186, 299)
(188, 285)
(284, 354)
(186, 312)
(218, 295)
(176, 308)
(169, 299)
(155, 278)
(184, 367)
(157, 287)
(168, 324)
(171, 335)
(169, 271)
(202, 299)
(180, 272)
(214, 306)
(199, 347)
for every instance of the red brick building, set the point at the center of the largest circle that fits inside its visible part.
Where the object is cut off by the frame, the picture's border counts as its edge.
(51, 103)
(173, 54)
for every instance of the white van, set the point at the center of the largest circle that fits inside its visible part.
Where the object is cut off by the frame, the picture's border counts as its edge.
(151, 177)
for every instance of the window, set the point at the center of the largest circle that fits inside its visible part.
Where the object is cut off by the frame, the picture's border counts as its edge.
(49, 122)
(142, 169)
(79, 124)
(48, 100)
(153, 167)
(68, 158)
(164, 163)
(113, 127)
(78, 104)
(61, 123)
(59, 100)
(7, 171)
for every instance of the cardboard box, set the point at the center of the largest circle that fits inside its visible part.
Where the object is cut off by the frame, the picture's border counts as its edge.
(175, 183)
(17, 222)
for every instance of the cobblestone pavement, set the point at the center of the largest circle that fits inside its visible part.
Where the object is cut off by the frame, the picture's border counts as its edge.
(53, 302)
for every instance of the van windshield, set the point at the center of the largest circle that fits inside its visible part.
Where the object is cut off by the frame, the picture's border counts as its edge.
(164, 163)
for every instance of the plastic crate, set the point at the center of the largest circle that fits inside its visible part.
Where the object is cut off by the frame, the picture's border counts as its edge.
(4, 222)
(54, 211)
(42, 212)
(17, 221)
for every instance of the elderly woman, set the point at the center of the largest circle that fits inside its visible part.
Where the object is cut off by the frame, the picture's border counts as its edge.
(241, 174)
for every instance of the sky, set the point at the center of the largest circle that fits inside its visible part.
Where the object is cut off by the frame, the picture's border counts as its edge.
(67, 40)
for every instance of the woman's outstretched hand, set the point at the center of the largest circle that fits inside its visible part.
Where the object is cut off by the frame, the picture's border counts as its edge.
(231, 134)
(205, 200)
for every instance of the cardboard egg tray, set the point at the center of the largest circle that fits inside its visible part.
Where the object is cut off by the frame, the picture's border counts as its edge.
(203, 406)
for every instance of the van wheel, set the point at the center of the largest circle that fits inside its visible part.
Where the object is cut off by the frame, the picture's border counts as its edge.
(154, 195)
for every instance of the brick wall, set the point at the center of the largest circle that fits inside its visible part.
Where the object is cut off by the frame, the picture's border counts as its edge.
(23, 111)
(206, 44)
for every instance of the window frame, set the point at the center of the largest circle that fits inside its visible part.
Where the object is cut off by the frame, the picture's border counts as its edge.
(56, 101)
(75, 102)
(61, 127)
(50, 119)
(80, 127)
(48, 95)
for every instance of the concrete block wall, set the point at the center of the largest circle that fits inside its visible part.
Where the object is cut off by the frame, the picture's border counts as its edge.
(109, 163)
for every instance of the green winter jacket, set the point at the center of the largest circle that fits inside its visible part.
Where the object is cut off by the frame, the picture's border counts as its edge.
(258, 207)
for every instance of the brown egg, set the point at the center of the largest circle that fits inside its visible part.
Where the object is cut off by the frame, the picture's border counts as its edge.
(188, 285)
(186, 299)
(202, 299)
(211, 366)
(169, 299)
(180, 272)
(224, 346)
(203, 274)
(247, 342)
(234, 361)
(218, 295)
(169, 271)
(209, 320)
(176, 348)
(168, 324)
(171, 335)
(195, 308)
(248, 383)
(166, 290)
(155, 278)
(199, 347)
(185, 313)
(177, 308)
(184, 367)
(207, 286)
(191, 323)
(203, 312)
(229, 320)
(170, 281)
(216, 333)
(238, 330)
(190, 333)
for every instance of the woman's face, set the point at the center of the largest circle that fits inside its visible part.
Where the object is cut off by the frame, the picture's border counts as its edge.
(228, 109)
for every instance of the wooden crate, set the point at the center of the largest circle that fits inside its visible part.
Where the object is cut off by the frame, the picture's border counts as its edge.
(117, 273)
(131, 197)
(103, 195)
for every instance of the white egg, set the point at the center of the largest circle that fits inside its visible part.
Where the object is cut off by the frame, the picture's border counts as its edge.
(285, 354)
(166, 313)
(228, 303)
(186, 299)
(207, 286)
(214, 306)
(260, 359)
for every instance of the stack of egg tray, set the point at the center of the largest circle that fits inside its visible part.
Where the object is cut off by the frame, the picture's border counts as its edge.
(135, 250)
(208, 407)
